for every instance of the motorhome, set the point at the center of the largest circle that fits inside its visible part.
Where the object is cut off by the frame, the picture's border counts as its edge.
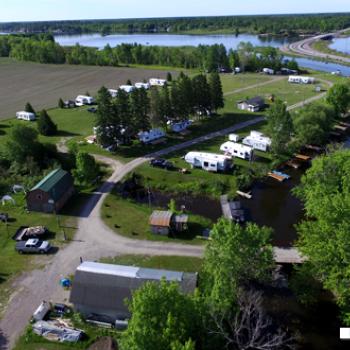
(297, 79)
(237, 150)
(82, 100)
(257, 141)
(157, 82)
(151, 135)
(113, 92)
(180, 126)
(209, 161)
(127, 88)
(142, 86)
(28, 116)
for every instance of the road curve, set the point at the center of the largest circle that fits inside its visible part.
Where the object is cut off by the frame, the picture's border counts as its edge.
(93, 241)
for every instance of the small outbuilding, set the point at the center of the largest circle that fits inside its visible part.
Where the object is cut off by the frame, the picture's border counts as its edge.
(163, 222)
(254, 104)
(51, 193)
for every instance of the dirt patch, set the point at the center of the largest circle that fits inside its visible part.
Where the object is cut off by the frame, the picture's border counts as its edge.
(43, 84)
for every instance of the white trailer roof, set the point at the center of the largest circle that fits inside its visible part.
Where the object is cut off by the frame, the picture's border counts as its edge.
(208, 156)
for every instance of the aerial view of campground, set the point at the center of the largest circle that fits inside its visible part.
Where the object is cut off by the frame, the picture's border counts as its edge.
(174, 177)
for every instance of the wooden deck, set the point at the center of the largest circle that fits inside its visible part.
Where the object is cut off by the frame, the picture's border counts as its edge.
(302, 157)
(276, 177)
(287, 256)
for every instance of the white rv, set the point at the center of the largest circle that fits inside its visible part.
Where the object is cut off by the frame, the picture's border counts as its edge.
(151, 135)
(157, 82)
(180, 126)
(127, 88)
(234, 137)
(268, 71)
(28, 116)
(297, 79)
(113, 92)
(82, 100)
(257, 141)
(142, 86)
(237, 150)
(209, 161)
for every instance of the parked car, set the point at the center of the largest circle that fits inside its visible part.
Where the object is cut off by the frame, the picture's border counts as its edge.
(4, 217)
(33, 245)
(162, 163)
(92, 110)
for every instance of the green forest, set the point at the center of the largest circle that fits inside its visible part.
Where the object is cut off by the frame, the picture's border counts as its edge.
(267, 24)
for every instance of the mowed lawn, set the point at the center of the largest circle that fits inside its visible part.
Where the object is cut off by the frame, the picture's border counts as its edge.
(43, 84)
(231, 82)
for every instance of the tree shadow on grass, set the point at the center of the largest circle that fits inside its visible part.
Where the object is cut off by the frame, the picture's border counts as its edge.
(64, 133)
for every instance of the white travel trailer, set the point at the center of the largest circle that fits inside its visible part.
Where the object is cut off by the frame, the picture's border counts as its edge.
(268, 71)
(209, 161)
(180, 126)
(297, 79)
(82, 100)
(257, 141)
(142, 86)
(28, 116)
(234, 137)
(113, 92)
(157, 82)
(237, 150)
(151, 135)
(127, 88)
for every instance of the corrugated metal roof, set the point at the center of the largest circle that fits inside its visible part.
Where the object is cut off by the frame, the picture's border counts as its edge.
(160, 218)
(109, 269)
(153, 274)
(56, 183)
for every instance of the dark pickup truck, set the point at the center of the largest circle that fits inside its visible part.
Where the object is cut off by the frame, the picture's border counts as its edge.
(33, 245)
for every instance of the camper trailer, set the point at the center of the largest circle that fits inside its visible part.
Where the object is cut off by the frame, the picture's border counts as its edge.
(142, 86)
(157, 82)
(237, 150)
(82, 100)
(151, 135)
(127, 88)
(209, 161)
(113, 92)
(234, 137)
(28, 116)
(180, 126)
(268, 71)
(297, 79)
(257, 141)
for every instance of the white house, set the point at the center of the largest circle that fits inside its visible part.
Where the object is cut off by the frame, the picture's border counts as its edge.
(254, 104)
(237, 150)
(127, 88)
(268, 71)
(234, 137)
(209, 161)
(258, 141)
(297, 79)
(113, 92)
(157, 82)
(179, 126)
(84, 100)
(151, 135)
(142, 86)
(25, 116)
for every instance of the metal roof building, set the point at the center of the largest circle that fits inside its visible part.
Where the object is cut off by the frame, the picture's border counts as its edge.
(101, 289)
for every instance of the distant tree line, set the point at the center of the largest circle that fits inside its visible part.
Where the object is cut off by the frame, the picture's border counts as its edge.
(43, 49)
(271, 24)
(120, 118)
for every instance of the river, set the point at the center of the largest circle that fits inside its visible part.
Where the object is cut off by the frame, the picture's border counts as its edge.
(341, 45)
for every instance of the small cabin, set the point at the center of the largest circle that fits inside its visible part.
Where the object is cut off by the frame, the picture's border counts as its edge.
(255, 104)
(297, 79)
(142, 86)
(151, 135)
(28, 116)
(157, 82)
(237, 150)
(257, 141)
(209, 161)
(164, 222)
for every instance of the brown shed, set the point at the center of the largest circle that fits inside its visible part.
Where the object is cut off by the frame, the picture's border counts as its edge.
(51, 193)
(163, 222)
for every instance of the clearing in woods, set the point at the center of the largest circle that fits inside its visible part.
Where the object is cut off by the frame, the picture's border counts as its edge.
(43, 84)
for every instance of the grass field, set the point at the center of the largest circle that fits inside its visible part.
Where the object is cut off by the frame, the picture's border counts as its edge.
(232, 82)
(44, 84)
(175, 263)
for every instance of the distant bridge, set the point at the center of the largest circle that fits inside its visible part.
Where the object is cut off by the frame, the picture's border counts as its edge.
(288, 256)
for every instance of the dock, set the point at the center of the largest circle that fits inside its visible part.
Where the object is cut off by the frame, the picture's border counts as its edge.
(344, 124)
(247, 195)
(231, 210)
(340, 127)
(276, 177)
(287, 256)
(302, 157)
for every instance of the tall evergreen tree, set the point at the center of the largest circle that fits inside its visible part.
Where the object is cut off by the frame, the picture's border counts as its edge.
(140, 108)
(45, 124)
(201, 94)
(158, 118)
(28, 108)
(216, 94)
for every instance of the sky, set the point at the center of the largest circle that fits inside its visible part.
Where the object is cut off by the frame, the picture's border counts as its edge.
(44, 10)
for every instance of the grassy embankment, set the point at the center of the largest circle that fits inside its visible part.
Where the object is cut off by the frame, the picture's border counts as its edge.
(324, 46)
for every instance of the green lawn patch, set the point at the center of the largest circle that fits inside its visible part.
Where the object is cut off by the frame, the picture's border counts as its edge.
(231, 82)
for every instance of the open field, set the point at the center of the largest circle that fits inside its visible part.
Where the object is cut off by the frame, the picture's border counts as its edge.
(238, 81)
(44, 84)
